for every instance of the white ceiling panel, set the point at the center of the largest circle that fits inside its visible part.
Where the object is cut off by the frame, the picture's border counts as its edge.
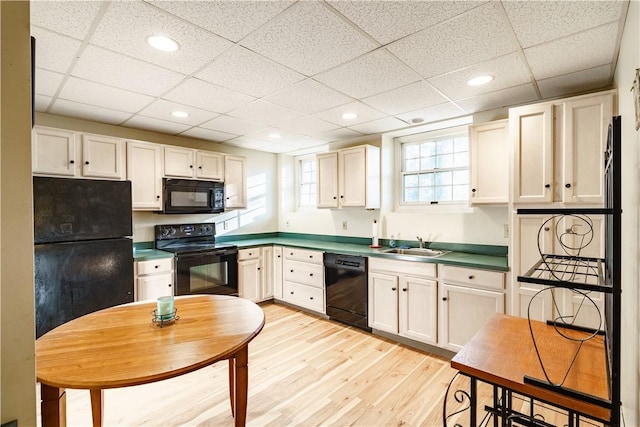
(251, 144)
(365, 114)
(41, 102)
(236, 70)
(233, 125)
(121, 71)
(63, 107)
(433, 113)
(475, 36)
(340, 134)
(574, 53)
(309, 38)
(204, 95)
(112, 98)
(407, 98)
(149, 123)
(49, 82)
(308, 125)
(381, 125)
(599, 77)
(208, 134)
(71, 18)
(539, 22)
(287, 138)
(162, 109)
(53, 51)
(500, 98)
(264, 112)
(126, 26)
(373, 73)
(308, 97)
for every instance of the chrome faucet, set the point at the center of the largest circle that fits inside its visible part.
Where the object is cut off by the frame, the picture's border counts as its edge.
(420, 241)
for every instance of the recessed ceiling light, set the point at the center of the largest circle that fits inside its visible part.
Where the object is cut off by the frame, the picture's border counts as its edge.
(416, 120)
(480, 80)
(349, 116)
(163, 43)
(180, 114)
(275, 135)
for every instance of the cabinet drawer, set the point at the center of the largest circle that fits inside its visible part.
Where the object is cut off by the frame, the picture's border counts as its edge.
(304, 296)
(404, 267)
(472, 277)
(251, 253)
(305, 273)
(303, 255)
(154, 266)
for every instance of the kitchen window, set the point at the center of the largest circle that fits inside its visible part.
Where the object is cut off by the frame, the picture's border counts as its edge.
(435, 168)
(307, 185)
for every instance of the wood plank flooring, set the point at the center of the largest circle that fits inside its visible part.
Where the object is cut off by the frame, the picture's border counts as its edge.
(303, 371)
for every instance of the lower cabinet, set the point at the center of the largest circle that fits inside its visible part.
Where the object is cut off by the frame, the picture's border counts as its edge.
(154, 278)
(303, 278)
(255, 273)
(403, 299)
(468, 299)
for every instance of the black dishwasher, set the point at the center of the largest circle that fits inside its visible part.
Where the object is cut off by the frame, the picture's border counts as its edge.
(345, 281)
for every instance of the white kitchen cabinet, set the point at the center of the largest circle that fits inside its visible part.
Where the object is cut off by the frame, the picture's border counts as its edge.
(154, 278)
(235, 182)
(403, 299)
(349, 178)
(559, 149)
(468, 299)
(303, 278)
(489, 146)
(189, 163)
(277, 272)
(144, 170)
(255, 273)
(58, 152)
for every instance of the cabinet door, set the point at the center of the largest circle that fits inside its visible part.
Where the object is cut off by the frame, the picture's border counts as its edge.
(250, 279)
(277, 272)
(327, 178)
(489, 162)
(267, 291)
(585, 126)
(144, 170)
(209, 165)
(235, 177)
(418, 310)
(53, 152)
(152, 287)
(531, 130)
(102, 157)
(352, 177)
(383, 302)
(178, 162)
(464, 311)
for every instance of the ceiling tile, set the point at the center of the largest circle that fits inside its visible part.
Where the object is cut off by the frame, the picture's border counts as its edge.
(232, 125)
(236, 70)
(475, 36)
(121, 71)
(538, 22)
(365, 114)
(594, 78)
(47, 82)
(380, 125)
(53, 51)
(375, 72)
(508, 70)
(308, 125)
(71, 18)
(406, 98)
(162, 109)
(208, 134)
(433, 113)
(204, 95)
(574, 53)
(387, 21)
(149, 123)
(308, 97)
(63, 107)
(42, 102)
(230, 19)
(340, 134)
(310, 38)
(112, 98)
(264, 112)
(287, 138)
(250, 143)
(502, 98)
(126, 26)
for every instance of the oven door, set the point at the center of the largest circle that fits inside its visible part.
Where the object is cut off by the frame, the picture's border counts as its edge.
(207, 273)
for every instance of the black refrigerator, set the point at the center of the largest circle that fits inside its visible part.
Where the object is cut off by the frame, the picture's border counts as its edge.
(83, 248)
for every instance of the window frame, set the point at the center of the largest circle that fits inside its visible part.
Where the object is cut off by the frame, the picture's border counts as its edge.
(299, 181)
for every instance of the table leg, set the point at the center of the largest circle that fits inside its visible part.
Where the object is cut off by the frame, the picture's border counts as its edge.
(53, 406)
(232, 385)
(97, 406)
(241, 385)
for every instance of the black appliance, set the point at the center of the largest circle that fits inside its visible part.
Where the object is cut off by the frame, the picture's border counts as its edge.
(202, 266)
(345, 278)
(188, 196)
(82, 250)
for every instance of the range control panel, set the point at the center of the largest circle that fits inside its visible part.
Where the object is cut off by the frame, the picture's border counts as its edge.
(181, 231)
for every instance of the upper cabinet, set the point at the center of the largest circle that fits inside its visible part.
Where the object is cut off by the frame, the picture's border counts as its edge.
(60, 152)
(189, 163)
(489, 146)
(349, 178)
(144, 170)
(559, 149)
(235, 178)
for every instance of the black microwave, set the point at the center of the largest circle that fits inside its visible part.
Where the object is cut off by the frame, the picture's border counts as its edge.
(188, 196)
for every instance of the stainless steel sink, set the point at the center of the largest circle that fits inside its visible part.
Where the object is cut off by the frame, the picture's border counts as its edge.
(423, 252)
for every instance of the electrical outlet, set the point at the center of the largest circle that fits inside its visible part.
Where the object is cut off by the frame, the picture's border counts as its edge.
(288, 224)
(344, 225)
(225, 225)
(506, 230)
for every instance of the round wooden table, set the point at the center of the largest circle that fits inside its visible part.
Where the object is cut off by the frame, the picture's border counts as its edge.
(121, 346)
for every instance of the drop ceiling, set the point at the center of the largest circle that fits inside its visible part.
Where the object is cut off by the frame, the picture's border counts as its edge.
(277, 76)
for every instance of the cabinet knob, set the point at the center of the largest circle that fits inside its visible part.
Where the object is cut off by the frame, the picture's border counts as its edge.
(547, 186)
(72, 161)
(258, 268)
(199, 167)
(190, 166)
(156, 266)
(291, 271)
(334, 197)
(169, 285)
(86, 162)
(444, 298)
(393, 289)
(278, 256)
(473, 190)
(472, 277)
(546, 229)
(310, 297)
(342, 197)
(291, 292)
(567, 185)
(404, 289)
(250, 253)
(158, 197)
(311, 274)
(291, 253)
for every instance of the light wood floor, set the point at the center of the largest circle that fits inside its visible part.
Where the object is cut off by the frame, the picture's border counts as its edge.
(303, 371)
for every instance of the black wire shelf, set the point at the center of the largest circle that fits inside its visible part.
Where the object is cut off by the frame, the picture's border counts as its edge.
(566, 271)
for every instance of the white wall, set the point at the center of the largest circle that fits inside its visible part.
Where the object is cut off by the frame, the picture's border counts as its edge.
(628, 61)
